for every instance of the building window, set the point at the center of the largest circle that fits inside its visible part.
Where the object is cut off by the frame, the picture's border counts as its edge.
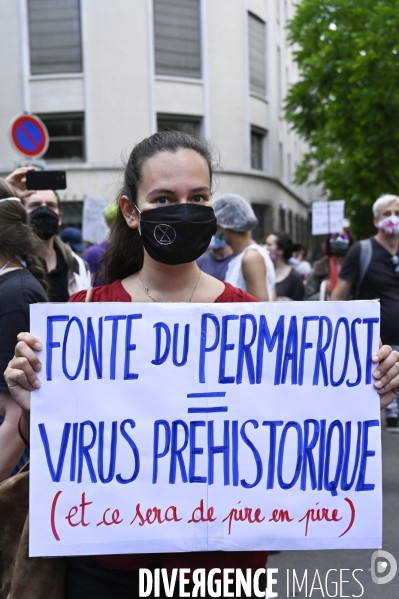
(177, 38)
(55, 36)
(66, 132)
(281, 218)
(257, 147)
(257, 54)
(304, 223)
(290, 224)
(264, 214)
(188, 124)
(72, 213)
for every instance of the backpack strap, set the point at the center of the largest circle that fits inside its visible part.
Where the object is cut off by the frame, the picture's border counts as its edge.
(366, 252)
(88, 294)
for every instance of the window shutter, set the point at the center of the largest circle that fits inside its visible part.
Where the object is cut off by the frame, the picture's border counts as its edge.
(257, 55)
(177, 38)
(55, 36)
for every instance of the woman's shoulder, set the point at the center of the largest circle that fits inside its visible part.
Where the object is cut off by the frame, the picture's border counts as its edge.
(295, 276)
(113, 292)
(21, 287)
(234, 294)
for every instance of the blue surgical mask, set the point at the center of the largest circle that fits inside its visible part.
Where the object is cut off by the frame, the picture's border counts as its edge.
(218, 242)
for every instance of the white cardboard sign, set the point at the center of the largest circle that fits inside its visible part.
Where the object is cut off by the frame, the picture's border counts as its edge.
(205, 427)
(94, 227)
(327, 217)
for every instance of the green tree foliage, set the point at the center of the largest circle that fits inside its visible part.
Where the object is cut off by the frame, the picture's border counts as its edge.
(346, 104)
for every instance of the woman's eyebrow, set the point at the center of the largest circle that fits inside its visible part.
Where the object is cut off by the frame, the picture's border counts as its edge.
(205, 188)
(171, 191)
(156, 191)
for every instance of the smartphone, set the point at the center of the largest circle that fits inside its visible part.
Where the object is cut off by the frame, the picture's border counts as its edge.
(46, 180)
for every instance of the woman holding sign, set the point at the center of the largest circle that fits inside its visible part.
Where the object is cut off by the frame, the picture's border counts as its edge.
(165, 221)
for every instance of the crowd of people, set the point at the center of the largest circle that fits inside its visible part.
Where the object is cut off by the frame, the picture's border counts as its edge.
(168, 179)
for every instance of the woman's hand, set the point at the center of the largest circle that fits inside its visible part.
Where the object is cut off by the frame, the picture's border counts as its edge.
(20, 374)
(386, 374)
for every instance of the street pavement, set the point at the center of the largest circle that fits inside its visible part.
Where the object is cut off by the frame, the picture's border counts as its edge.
(349, 560)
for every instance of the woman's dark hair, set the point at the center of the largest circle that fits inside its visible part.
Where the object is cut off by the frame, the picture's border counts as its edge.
(17, 240)
(328, 244)
(124, 255)
(284, 242)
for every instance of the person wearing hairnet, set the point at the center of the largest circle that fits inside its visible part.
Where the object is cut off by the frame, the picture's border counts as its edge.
(251, 269)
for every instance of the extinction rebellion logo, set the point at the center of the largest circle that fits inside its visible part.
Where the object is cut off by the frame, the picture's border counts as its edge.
(164, 234)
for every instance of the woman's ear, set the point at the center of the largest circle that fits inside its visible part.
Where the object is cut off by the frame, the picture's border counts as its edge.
(129, 212)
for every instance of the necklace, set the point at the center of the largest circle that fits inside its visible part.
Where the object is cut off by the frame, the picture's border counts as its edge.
(5, 265)
(157, 301)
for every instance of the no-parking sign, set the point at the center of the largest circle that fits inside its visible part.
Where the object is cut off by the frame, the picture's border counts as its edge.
(29, 136)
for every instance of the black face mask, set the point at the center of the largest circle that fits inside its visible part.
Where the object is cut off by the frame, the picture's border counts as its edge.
(44, 222)
(177, 234)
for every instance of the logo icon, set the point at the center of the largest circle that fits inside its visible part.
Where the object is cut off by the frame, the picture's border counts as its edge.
(386, 565)
(164, 234)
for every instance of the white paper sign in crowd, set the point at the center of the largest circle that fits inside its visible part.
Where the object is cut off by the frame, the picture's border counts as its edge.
(327, 217)
(202, 427)
(94, 227)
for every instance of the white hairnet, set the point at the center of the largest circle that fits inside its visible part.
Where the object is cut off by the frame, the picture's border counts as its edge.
(234, 212)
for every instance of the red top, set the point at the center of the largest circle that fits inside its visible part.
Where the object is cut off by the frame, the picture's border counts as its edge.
(115, 292)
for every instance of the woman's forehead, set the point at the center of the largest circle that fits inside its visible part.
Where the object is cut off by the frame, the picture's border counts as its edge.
(180, 165)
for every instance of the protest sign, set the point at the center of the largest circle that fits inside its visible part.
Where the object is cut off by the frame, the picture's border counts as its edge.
(94, 228)
(327, 217)
(202, 427)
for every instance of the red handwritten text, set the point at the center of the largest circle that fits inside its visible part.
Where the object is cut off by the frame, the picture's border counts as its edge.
(280, 516)
(114, 518)
(200, 516)
(154, 514)
(74, 510)
(243, 515)
(318, 515)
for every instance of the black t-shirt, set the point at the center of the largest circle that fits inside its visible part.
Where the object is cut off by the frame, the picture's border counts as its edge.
(58, 280)
(18, 289)
(291, 286)
(380, 282)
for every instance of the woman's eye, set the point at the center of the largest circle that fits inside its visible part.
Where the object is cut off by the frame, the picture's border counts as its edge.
(198, 199)
(162, 200)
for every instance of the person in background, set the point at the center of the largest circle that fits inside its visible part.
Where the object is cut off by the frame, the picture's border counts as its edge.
(298, 261)
(22, 282)
(94, 253)
(251, 269)
(289, 285)
(73, 238)
(218, 257)
(66, 272)
(327, 268)
(376, 260)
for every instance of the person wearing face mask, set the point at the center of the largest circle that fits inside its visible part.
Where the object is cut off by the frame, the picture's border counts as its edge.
(323, 277)
(164, 222)
(66, 272)
(371, 270)
(216, 260)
